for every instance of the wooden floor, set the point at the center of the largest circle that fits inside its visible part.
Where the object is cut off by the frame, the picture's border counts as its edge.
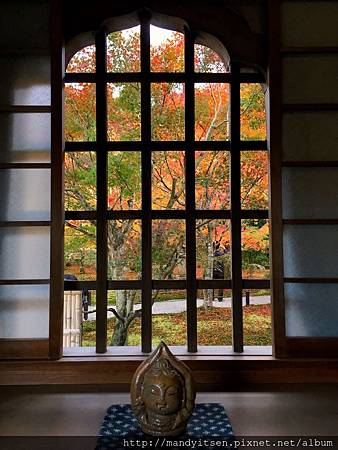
(312, 411)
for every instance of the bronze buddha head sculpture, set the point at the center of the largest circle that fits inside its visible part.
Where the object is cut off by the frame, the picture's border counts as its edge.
(162, 394)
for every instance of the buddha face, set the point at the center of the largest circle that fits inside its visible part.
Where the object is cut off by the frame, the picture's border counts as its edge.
(163, 395)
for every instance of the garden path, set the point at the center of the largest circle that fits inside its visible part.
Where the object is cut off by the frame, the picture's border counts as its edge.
(178, 306)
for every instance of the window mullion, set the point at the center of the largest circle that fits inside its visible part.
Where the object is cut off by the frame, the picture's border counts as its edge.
(102, 241)
(146, 185)
(235, 186)
(190, 192)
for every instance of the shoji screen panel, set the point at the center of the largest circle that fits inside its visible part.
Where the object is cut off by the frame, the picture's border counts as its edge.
(309, 177)
(25, 178)
(309, 23)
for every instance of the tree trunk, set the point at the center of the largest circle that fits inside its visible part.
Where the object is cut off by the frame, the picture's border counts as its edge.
(124, 308)
(208, 293)
(124, 300)
(120, 334)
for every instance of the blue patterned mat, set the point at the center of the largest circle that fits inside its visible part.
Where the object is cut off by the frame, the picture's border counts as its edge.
(120, 427)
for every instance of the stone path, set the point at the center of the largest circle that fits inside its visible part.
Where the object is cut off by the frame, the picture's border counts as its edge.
(178, 306)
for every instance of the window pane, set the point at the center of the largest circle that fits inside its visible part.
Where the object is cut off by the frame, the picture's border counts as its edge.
(254, 180)
(168, 249)
(253, 120)
(310, 136)
(25, 253)
(255, 249)
(124, 180)
(123, 50)
(25, 25)
(84, 61)
(310, 250)
(310, 192)
(80, 249)
(305, 304)
(301, 74)
(207, 60)
(25, 137)
(214, 324)
(124, 303)
(168, 186)
(166, 50)
(124, 111)
(167, 111)
(25, 80)
(257, 317)
(213, 249)
(79, 318)
(300, 19)
(212, 180)
(25, 194)
(169, 317)
(124, 249)
(212, 112)
(80, 181)
(24, 312)
(80, 112)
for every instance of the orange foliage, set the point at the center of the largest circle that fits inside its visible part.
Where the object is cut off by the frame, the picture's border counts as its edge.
(212, 122)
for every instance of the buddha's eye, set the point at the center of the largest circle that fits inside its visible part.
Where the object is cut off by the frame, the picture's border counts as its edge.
(172, 391)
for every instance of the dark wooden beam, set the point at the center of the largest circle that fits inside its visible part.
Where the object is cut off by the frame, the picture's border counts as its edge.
(57, 183)
(318, 50)
(26, 223)
(146, 318)
(312, 280)
(210, 373)
(236, 235)
(190, 191)
(275, 175)
(309, 107)
(310, 163)
(14, 165)
(25, 108)
(24, 349)
(101, 177)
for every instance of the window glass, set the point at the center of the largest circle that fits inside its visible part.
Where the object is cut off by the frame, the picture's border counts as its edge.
(166, 50)
(123, 50)
(124, 249)
(212, 179)
(212, 120)
(84, 61)
(253, 123)
(168, 187)
(80, 250)
(80, 181)
(80, 112)
(208, 61)
(167, 111)
(124, 111)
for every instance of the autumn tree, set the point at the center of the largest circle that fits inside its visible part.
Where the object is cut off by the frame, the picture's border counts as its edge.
(168, 168)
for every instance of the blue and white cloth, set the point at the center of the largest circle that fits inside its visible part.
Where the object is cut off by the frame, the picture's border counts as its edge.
(208, 420)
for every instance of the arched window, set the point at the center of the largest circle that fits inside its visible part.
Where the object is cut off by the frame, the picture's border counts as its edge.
(166, 190)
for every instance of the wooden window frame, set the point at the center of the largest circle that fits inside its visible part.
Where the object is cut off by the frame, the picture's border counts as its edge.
(211, 372)
(101, 146)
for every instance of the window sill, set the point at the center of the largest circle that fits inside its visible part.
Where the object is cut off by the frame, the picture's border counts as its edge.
(176, 350)
(229, 372)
